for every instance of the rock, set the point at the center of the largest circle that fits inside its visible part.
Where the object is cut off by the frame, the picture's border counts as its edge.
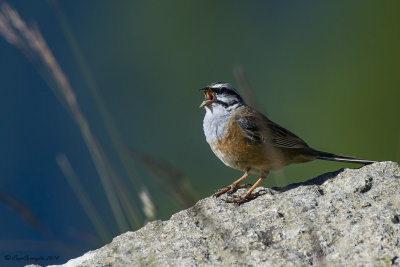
(347, 217)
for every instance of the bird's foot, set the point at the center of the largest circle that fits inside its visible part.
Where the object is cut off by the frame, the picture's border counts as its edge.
(235, 188)
(230, 189)
(243, 198)
(224, 190)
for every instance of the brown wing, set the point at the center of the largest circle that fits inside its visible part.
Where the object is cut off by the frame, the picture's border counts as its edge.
(259, 128)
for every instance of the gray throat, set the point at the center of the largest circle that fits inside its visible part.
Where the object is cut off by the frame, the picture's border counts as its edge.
(216, 122)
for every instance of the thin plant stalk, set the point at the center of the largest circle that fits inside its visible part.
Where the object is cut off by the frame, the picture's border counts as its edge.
(133, 214)
(82, 196)
(244, 85)
(32, 43)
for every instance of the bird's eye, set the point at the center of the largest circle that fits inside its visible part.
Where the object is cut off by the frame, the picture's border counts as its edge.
(209, 95)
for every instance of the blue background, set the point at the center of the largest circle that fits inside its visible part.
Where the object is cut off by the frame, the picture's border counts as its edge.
(328, 71)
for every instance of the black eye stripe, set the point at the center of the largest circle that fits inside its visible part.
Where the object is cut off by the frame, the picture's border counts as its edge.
(226, 105)
(224, 90)
(222, 103)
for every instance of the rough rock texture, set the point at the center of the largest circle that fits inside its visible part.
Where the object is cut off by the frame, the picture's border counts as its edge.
(348, 217)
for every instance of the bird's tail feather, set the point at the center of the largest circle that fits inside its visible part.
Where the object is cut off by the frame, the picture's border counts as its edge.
(341, 158)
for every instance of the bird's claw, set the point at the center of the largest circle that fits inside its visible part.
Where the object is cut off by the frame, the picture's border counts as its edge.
(236, 188)
(243, 199)
(222, 191)
(230, 189)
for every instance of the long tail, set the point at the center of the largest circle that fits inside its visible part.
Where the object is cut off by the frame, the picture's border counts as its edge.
(341, 158)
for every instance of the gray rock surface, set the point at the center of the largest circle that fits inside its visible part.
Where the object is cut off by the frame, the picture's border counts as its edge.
(348, 217)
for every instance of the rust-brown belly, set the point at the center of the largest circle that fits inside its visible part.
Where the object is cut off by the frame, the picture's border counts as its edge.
(239, 152)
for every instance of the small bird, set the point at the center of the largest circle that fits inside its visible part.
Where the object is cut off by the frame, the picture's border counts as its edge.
(244, 139)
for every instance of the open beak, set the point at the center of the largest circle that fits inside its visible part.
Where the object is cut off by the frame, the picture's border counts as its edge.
(210, 97)
(206, 103)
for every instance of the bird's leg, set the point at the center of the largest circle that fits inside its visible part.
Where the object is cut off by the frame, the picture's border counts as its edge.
(249, 195)
(233, 187)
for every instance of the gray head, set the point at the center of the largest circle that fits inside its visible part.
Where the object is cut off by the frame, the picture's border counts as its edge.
(223, 94)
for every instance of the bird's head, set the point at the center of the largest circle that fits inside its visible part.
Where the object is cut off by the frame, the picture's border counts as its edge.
(221, 93)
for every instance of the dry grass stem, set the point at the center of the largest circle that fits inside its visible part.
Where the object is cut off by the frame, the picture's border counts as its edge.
(32, 43)
(82, 196)
(179, 186)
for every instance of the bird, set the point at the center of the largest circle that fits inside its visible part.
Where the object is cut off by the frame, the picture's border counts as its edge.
(245, 139)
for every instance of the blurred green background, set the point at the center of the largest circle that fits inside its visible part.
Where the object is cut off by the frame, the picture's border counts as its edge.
(326, 70)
